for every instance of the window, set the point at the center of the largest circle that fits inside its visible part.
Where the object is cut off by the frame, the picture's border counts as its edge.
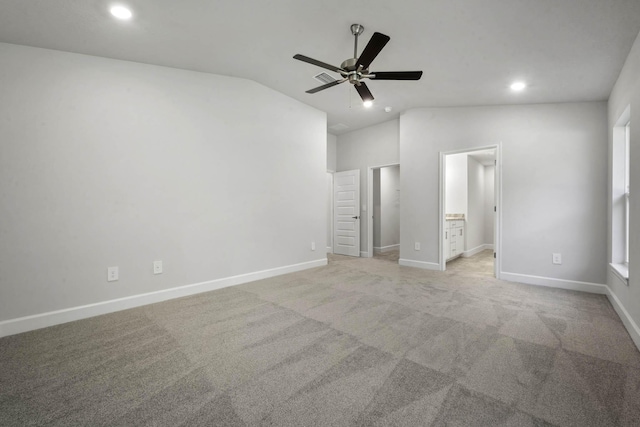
(620, 190)
(627, 169)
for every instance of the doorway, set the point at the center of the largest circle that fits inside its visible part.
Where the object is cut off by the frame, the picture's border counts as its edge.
(383, 230)
(470, 211)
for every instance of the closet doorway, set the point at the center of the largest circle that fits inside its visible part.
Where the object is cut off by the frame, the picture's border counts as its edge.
(470, 211)
(383, 230)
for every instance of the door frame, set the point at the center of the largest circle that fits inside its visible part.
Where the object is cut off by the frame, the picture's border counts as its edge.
(369, 253)
(497, 223)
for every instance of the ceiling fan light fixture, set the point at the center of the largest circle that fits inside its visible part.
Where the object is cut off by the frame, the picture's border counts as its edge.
(367, 104)
(518, 86)
(121, 12)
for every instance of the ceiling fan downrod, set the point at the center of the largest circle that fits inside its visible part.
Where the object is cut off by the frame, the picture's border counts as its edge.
(356, 30)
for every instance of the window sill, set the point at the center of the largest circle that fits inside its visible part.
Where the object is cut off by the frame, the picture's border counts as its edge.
(621, 271)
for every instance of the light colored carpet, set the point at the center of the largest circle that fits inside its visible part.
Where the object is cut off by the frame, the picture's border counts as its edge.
(358, 342)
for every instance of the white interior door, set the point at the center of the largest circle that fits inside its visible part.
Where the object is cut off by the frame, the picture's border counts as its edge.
(346, 214)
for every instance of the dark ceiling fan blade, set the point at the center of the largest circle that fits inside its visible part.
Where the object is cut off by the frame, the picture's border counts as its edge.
(396, 75)
(327, 86)
(318, 63)
(364, 92)
(372, 49)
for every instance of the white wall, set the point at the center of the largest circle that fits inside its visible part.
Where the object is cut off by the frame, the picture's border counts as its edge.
(475, 205)
(373, 146)
(553, 185)
(106, 163)
(390, 206)
(626, 92)
(456, 184)
(489, 203)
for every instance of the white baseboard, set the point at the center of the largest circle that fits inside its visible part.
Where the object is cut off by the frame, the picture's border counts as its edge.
(573, 285)
(420, 264)
(382, 249)
(43, 320)
(329, 250)
(629, 323)
(476, 250)
(364, 254)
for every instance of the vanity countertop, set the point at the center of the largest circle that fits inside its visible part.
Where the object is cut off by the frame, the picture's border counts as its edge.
(454, 217)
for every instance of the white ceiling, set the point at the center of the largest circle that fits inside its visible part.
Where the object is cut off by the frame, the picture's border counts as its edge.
(470, 50)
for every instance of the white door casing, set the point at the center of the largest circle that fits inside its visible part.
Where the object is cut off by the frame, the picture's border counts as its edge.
(346, 214)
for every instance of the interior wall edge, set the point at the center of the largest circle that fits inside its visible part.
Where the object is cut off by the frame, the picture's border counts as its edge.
(630, 325)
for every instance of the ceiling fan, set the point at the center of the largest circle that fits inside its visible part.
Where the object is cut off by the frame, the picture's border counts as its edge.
(355, 70)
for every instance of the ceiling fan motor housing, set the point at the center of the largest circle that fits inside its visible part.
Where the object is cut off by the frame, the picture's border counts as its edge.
(353, 74)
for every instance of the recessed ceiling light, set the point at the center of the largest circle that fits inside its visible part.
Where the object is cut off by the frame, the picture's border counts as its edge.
(387, 109)
(121, 12)
(367, 104)
(518, 86)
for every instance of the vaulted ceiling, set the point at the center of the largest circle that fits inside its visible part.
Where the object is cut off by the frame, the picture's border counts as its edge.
(470, 50)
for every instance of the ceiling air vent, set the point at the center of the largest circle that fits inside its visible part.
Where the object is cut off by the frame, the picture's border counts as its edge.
(338, 127)
(324, 78)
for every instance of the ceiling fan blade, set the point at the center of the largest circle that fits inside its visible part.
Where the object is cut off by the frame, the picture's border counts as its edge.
(318, 63)
(327, 86)
(396, 75)
(364, 92)
(372, 49)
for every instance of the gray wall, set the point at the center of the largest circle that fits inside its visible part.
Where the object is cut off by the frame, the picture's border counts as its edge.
(475, 205)
(456, 185)
(107, 162)
(377, 209)
(373, 146)
(553, 187)
(627, 92)
(332, 142)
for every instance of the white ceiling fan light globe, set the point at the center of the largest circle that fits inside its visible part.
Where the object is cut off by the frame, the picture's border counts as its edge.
(518, 86)
(121, 12)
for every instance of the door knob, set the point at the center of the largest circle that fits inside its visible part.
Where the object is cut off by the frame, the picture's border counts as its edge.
(355, 217)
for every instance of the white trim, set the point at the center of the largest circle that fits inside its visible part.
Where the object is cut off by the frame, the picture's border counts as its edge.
(476, 250)
(420, 264)
(329, 250)
(630, 325)
(621, 271)
(364, 254)
(573, 285)
(43, 320)
(370, 204)
(382, 249)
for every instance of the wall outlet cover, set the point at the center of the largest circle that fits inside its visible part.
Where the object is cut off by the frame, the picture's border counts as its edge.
(557, 259)
(112, 274)
(157, 267)
(417, 246)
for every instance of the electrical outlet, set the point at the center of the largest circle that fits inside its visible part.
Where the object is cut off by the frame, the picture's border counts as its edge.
(313, 246)
(557, 259)
(417, 246)
(157, 267)
(112, 274)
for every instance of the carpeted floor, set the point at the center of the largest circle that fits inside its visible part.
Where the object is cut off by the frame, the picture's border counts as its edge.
(358, 342)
